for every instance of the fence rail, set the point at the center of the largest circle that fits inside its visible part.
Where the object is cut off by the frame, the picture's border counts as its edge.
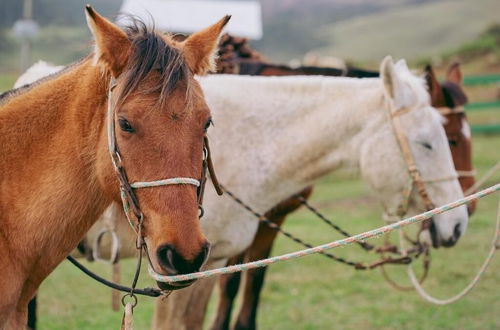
(487, 79)
(484, 80)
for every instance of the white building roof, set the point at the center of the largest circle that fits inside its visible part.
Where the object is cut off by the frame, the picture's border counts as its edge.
(190, 16)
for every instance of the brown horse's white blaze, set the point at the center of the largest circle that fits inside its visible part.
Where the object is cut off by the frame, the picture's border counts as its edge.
(56, 172)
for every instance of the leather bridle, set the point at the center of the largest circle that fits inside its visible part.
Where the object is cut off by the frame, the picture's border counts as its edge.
(416, 180)
(127, 190)
(131, 202)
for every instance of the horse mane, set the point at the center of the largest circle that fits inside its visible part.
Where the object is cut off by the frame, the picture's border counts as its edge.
(151, 53)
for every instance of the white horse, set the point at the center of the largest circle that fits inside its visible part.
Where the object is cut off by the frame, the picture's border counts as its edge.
(276, 136)
(36, 71)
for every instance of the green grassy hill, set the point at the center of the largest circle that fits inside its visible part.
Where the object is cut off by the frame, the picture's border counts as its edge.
(412, 32)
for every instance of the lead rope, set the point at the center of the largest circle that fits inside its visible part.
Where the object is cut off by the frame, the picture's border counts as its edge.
(485, 177)
(495, 246)
(321, 248)
(272, 225)
(417, 285)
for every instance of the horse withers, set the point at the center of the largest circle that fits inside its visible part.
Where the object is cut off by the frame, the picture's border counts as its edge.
(57, 176)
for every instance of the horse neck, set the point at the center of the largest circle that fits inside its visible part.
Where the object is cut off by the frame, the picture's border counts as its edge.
(281, 134)
(49, 192)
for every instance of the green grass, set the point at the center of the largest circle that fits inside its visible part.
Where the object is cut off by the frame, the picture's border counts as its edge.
(313, 292)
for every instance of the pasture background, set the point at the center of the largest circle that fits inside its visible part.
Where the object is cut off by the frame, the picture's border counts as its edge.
(314, 293)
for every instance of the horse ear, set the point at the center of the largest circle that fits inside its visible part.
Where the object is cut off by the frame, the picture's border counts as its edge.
(200, 47)
(392, 84)
(433, 84)
(111, 43)
(454, 74)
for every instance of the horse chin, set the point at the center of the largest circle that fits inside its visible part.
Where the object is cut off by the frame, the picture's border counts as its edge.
(174, 285)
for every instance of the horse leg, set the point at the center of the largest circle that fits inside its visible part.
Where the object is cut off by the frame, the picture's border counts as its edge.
(254, 278)
(228, 288)
(32, 307)
(185, 309)
(260, 249)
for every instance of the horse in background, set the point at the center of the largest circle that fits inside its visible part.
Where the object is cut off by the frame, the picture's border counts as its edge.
(237, 57)
(57, 175)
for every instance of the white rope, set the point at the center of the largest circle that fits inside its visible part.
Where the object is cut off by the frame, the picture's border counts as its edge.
(449, 111)
(165, 182)
(494, 247)
(470, 173)
(485, 177)
(320, 248)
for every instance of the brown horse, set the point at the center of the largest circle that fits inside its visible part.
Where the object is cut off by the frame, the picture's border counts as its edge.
(56, 173)
(236, 55)
(450, 98)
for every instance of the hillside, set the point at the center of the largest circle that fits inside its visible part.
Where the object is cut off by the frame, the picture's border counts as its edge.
(365, 31)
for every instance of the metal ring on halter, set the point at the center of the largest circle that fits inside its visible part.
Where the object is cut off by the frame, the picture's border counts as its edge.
(132, 296)
(115, 246)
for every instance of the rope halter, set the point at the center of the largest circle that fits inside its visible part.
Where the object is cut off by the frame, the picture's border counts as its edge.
(128, 196)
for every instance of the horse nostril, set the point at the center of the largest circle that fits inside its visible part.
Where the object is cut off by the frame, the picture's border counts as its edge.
(165, 258)
(171, 261)
(457, 232)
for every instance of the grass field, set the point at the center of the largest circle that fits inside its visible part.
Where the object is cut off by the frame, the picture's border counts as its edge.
(313, 292)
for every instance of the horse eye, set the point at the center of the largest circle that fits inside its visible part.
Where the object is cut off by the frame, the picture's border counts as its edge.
(125, 125)
(453, 143)
(426, 145)
(208, 123)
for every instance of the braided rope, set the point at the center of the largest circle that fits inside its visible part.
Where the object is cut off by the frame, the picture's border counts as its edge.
(294, 238)
(484, 178)
(165, 182)
(321, 248)
(495, 246)
(463, 174)
(329, 222)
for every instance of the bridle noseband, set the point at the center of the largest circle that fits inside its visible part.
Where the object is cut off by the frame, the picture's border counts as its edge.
(128, 196)
(131, 202)
(127, 190)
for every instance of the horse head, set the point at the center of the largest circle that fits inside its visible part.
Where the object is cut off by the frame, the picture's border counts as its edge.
(449, 97)
(159, 120)
(422, 173)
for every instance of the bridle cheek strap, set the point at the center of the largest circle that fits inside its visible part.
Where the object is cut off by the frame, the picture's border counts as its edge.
(128, 196)
(415, 176)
